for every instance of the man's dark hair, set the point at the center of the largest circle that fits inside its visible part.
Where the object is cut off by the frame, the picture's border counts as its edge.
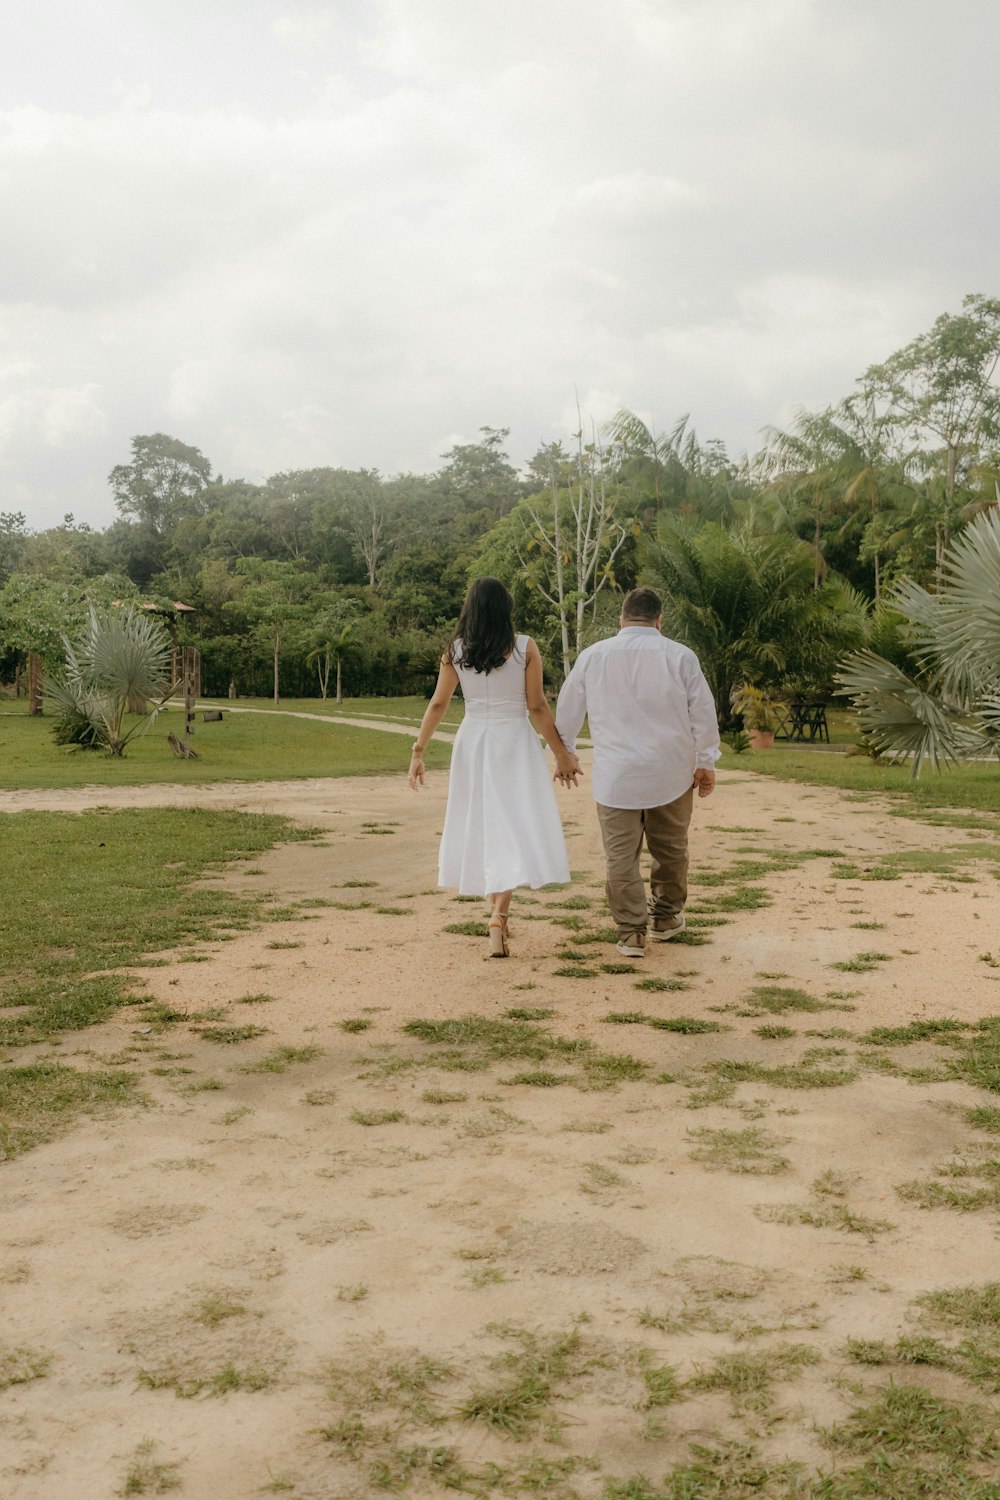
(642, 605)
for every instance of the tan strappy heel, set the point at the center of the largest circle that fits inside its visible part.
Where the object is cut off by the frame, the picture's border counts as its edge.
(499, 946)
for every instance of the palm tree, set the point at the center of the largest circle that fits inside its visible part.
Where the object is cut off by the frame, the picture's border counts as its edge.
(948, 708)
(336, 644)
(746, 604)
(122, 657)
(817, 477)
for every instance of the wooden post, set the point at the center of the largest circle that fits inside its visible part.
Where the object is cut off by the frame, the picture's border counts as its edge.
(34, 684)
(189, 666)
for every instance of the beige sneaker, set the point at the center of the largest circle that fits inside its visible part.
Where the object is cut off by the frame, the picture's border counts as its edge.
(662, 929)
(633, 945)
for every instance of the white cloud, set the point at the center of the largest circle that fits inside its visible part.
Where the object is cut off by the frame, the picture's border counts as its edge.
(324, 233)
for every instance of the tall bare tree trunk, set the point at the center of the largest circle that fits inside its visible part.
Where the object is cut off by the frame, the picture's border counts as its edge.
(560, 581)
(34, 684)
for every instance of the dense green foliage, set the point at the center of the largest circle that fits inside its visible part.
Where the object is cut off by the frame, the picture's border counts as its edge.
(770, 565)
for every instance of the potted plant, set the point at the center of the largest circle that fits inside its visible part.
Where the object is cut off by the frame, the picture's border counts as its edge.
(760, 714)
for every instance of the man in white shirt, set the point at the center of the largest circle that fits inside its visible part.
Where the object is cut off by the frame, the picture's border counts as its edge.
(656, 739)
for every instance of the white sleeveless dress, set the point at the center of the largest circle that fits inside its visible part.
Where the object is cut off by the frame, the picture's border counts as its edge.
(502, 827)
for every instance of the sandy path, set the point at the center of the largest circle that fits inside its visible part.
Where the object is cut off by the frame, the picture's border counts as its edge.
(370, 722)
(262, 1229)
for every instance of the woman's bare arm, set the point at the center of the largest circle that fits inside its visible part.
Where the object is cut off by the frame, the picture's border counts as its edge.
(567, 763)
(436, 709)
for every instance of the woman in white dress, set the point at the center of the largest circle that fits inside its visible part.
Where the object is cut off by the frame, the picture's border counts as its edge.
(502, 826)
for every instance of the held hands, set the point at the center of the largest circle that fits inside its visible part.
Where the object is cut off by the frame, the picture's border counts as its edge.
(704, 781)
(567, 768)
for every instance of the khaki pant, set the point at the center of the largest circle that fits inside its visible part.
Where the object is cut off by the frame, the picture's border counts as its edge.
(666, 833)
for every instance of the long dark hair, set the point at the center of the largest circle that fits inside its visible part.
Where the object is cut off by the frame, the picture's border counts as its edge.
(485, 632)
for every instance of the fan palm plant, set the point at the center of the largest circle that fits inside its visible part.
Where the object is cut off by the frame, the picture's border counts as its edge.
(747, 605)
(121, 657)
(948, 708)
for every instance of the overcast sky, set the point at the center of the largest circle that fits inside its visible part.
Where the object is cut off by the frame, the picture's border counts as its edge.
(353, 232)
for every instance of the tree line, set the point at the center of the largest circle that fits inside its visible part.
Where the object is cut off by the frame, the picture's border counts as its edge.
(326, 580)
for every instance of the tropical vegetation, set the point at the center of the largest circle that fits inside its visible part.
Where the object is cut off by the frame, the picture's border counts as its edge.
(848, 533)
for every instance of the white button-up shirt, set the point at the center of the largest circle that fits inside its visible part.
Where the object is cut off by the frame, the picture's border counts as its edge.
(651, 713)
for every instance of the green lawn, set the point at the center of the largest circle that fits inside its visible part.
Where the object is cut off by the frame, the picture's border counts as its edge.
(83, 896)
(243, 747)
(267, 746)
(975, 787)
(86, 893)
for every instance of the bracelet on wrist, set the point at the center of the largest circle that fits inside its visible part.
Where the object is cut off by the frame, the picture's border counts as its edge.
(418, 749)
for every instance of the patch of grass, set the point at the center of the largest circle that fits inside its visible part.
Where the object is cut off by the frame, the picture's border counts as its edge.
(467, 929)
(356, 1293)
(473, 1043)
(742, 898)
(230, 1036)
(539, 1078)
(443, 1096)
(355, 1024)
(260, 999)
(605, 1069)
(932, 1193)
(575, 971)
(618, 969)
(147, 1476)
(282, 1058)
(984, 1117)
(494, 1041)
(826, 1211)
(221, 1383)
(916, 1031)
(232, 1116)
(722, 1471)
(22, 1366)
(685, 1025)
(599, 1177)
(518, 1404)
(217, 1307)
(908, 1420)
(662, 1383)
(377, 1116)
(529, 1013)
(776, 1000)
(748, 1377)
(773, 1033)
(598, 935)
(657, 986)
(792, 1076)
(625, 1018)
(749, 1151)
(40, 1101)
(59, 870)
(401, 1385)
(862, 963)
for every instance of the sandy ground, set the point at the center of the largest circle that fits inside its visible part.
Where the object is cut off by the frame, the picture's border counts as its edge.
(367, 1240)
